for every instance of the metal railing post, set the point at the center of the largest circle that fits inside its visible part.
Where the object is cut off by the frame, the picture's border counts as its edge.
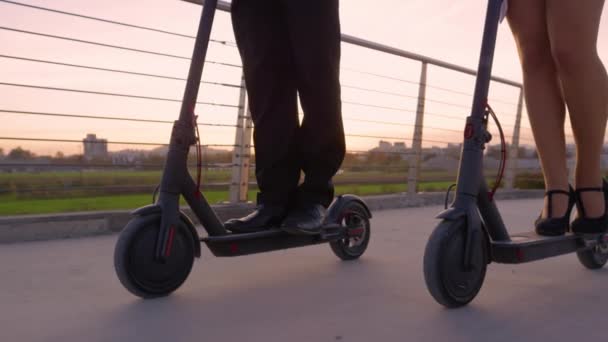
(511, 171)
(237, 155)
(415, 159)
(246, 155)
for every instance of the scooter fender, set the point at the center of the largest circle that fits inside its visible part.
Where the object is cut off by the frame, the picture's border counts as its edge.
(471, 216)
(452, 214)
(155, 209)
(473, 227)
(335, 211)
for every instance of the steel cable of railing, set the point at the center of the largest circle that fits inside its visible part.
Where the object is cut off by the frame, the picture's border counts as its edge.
(427, 85)
(86, 165)
(229, 145)
(116, 118)
(116, 70)
(76, 40)
(92, 92)
(413, 97)
(369, 105)
(352, 135)
(347, 167)
(207, 145)
(101, 188)
(390, 123)
(380, 75)
(461, 118)
(398, 109)
(439, 141)
(105, 142)
(82, 16)
(98, 117)
(492, 100)
(200, 124)
(404, 153)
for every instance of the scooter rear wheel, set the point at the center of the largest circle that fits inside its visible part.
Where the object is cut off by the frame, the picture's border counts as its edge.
(446, 278)
(137, 268)
(596, 257)
(355, 218)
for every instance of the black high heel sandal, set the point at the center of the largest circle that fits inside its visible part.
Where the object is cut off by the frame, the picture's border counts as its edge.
(596, 225)
(555, 226)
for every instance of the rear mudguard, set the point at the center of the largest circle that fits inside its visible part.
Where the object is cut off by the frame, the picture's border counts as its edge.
(154, 209)
(335, 211)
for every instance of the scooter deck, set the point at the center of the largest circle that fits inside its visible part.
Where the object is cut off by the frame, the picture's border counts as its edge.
(274, 239)
(527, 247)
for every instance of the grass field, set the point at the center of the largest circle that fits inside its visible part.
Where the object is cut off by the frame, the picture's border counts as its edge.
(94, 183)
(10, 205)
(91, 190)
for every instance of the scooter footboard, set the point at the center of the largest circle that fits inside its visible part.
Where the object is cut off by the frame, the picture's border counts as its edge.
(252, 243)
(529, 247)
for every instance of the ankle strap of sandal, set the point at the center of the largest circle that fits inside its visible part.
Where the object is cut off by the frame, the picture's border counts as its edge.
(579, 200)
(553, 192)
(549, 194)
(578, 191)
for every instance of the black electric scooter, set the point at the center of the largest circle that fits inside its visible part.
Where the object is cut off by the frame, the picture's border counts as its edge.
(472, 233)
(155, 251)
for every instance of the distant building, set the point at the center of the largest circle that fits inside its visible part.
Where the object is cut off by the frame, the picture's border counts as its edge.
(95, 148)
(385, 146)
(128, 157)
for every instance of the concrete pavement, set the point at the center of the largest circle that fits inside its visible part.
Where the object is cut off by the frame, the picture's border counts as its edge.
(66, 290)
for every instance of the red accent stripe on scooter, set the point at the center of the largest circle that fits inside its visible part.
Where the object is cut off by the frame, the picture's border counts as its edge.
(234, 248)
(170, 241)
(520, 255)
(356, 231)
(468, 131)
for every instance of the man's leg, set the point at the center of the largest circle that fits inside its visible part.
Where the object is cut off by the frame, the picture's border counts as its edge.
(314, 29)
(263, 43)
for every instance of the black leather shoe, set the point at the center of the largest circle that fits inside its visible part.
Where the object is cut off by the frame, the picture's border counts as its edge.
(305, 220)
(595, 225)
(264, 217)
(555, 226)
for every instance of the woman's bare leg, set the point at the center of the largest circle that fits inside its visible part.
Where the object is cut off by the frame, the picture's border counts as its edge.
(544, 100)
(573, 29)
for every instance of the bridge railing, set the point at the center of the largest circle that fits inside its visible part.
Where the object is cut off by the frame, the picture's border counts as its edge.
(403, 112)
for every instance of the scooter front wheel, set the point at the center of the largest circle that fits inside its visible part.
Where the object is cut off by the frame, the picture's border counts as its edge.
(449, 282)
(136, 266)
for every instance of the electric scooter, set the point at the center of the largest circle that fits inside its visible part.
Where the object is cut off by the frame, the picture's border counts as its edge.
(155, 252)
(472, 233)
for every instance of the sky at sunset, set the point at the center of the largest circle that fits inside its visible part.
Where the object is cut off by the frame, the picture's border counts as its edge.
(442, 29)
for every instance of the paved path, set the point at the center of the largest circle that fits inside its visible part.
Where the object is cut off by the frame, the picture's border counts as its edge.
(66, 291)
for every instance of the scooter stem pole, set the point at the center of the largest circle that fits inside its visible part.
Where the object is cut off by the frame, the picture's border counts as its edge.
(198, 61)
(484, 71)
(182, 137)
(471, 162)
